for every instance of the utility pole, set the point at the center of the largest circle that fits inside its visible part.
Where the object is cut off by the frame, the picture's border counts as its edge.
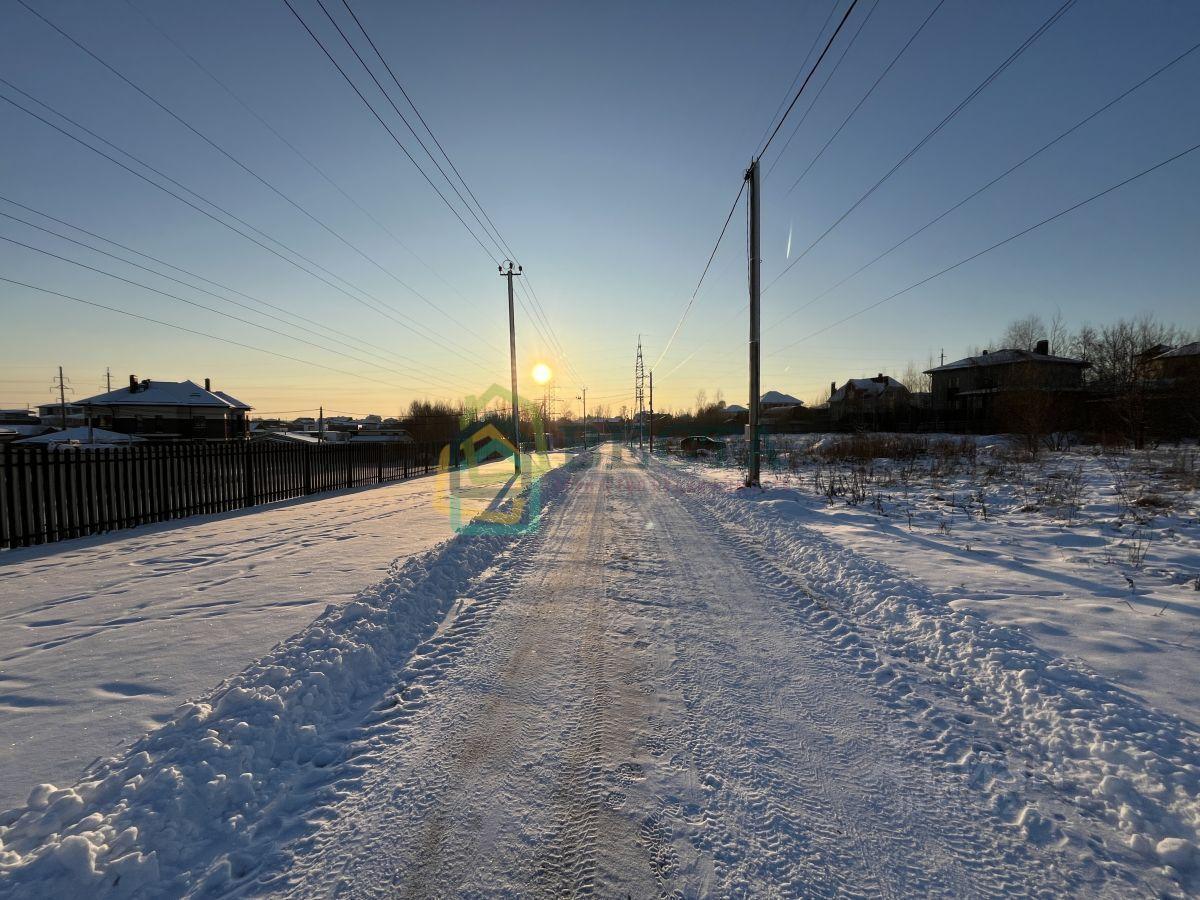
(62, 398)
(639, 399)
(108, 378)
(321, 423)
(755, 299)
(584, 399)
(512, 357)
(652, 413)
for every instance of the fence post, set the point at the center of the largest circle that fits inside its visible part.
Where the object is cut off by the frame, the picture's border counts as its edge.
(349, 465)
(10, 500)
(248, 474)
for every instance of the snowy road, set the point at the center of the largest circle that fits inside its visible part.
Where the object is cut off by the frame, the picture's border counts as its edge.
(641, 706)
(654, 692)
(101, 638)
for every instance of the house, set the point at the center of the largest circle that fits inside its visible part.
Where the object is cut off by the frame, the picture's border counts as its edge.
(981, 389)
(52, 414)
(881, 397)
(180, 410)
(17, 424)
(1180, 363)
(775, 401)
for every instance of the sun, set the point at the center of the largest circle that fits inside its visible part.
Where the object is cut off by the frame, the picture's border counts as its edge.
(541, 373)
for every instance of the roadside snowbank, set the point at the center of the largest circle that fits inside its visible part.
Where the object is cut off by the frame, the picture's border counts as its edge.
(1112, 757)
(226, 773)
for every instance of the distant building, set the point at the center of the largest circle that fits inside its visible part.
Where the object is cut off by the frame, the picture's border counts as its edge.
(52, 414)
(165, 410)
(982, 389)
(868, 399)
(773, 401)
(1180, 363)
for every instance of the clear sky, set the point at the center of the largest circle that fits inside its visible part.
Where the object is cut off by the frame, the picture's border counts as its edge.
(607, 141)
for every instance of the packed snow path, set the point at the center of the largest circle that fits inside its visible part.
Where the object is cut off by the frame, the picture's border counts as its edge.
(641, 706)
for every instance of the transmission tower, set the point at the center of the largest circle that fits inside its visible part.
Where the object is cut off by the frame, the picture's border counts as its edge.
(639, 384)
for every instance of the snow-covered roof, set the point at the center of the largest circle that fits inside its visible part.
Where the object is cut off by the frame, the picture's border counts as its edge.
(27, 429)
(1004, 358)
(1192, 349)
(736, 409)
(779, 398)
(82, 435)
(232, 401)
(870, 386)
(166, 393)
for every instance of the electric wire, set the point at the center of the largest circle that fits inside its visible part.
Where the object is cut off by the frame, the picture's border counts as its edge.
(396, 316)
(195, 303)
(691, 300)
(204, 334)
(1014, 167)
(433, 381)
(220, 149)
(975, 92)
(328, 179)
(824, 84)
(998, 244)
(850, 115)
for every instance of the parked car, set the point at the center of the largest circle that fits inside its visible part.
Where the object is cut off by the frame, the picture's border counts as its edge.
(697, 444)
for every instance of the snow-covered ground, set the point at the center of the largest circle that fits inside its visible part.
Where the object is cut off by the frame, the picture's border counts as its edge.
(669, 687)
(102, 638)
(1094, 555)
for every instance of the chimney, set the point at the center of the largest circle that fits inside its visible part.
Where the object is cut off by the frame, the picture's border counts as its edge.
(133, 384)
(881, 378)
(832, 388)
(208, 384)
(1042, 348)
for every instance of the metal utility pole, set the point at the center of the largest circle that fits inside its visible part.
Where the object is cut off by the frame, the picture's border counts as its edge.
(321, 424)
(108, 378)
(512, 356)
(652, 412)
(755, 299)
(639, 400)
(584, 399)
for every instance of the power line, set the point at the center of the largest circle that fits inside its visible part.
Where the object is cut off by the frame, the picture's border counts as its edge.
(975, 92)
(808, 77)
(204, 291)
(824, 84)
(133, 315)
(356, 341)
(691, 300)
(799, 72)
(387, 127)
(196, 304)
(220, 149)
(1044, 147)
(537, 308)
(850, 115)
(306, 159)
(1001, 243)
(250, 237)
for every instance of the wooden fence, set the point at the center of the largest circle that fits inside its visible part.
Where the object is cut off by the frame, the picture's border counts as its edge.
(52, 494)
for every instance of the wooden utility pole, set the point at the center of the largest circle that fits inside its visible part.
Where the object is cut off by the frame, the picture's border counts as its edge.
(62, 398)
(755, 298)
(512, 358)
(584, 399)
(652, 412)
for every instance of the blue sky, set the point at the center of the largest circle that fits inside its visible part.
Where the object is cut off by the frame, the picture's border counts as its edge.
(607, 141)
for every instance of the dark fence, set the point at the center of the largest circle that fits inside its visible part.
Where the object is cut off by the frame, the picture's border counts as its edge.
(53, 494)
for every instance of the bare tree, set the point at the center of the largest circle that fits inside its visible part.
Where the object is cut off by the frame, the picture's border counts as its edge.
(701, 400)
(1023, 334)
